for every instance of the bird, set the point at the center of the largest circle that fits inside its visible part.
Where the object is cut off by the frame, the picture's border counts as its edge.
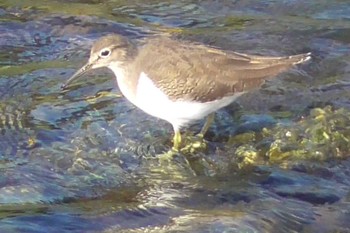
(180, 81)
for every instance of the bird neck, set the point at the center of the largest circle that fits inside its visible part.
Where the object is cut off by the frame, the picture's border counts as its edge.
(127, 79)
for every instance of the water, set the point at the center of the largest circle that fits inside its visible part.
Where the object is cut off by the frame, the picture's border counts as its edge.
(86, 160)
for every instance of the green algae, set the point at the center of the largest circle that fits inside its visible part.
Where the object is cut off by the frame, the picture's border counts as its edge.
(236, 22)
(9, 71)
(322, 135)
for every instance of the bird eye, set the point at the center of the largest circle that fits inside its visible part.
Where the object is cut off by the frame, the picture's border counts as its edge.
(105, 52)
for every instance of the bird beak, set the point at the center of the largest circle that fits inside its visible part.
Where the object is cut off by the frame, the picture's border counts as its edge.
(78, 74)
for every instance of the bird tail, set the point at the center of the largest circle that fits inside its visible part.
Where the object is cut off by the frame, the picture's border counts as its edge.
(292, 60)
(300, 58)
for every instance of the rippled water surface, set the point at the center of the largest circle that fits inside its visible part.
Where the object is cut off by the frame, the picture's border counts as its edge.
(87, 160)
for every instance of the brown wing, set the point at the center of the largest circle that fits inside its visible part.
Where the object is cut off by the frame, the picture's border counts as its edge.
(197, 72)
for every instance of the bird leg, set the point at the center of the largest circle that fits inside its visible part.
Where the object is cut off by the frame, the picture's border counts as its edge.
(177, 140)
(177, 136)
(206, 125)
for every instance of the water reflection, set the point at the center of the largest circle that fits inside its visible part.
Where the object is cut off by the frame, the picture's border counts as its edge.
(89, 161)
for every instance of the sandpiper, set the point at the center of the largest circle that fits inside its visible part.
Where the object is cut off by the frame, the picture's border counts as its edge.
(179, 81)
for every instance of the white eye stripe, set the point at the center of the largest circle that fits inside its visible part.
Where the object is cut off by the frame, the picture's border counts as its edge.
(106, 52)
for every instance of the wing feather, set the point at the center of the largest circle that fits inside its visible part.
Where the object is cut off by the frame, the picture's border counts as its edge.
(191, 71)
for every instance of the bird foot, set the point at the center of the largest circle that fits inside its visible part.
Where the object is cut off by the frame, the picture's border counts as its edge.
(193, 143)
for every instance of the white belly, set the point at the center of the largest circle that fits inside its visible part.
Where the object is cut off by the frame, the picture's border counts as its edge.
(179, 113)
